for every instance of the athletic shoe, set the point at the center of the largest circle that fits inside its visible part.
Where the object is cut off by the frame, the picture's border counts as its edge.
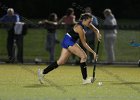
(40, 76)
(88, 81)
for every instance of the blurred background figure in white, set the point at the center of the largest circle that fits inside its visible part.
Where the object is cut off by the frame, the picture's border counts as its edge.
(110, 35)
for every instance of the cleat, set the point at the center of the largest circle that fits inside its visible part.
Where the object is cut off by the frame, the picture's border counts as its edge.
(88, 81)
(40, 76)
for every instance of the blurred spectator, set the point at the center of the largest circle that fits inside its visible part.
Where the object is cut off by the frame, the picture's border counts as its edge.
(69, 19)
(15, 35)
(90, 35)
(51, 25)
(110, 35)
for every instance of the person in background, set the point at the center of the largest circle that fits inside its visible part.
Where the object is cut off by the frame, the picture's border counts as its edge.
(15, 36)
(51, 25)
(110, 35)
(70, 46)
(69, 20)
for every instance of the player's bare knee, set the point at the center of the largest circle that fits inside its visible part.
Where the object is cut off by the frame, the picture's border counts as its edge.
(84, 58)
(61, 62)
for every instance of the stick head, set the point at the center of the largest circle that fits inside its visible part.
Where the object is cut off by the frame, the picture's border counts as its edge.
(93, 79)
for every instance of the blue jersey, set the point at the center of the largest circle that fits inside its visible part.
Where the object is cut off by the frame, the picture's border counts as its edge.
(10, 20)
(6, 18)
(71, 37)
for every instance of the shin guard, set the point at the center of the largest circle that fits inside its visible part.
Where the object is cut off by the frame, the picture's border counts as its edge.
(50, 67)
(83, 70)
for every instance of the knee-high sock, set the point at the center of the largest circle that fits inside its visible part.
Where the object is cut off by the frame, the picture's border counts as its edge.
(83, 70)
(50, 67)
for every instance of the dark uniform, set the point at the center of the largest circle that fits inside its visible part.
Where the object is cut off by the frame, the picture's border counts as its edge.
(71, 37)
(13, 38)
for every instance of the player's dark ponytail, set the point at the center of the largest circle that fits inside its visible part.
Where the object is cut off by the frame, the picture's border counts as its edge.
(85, 16)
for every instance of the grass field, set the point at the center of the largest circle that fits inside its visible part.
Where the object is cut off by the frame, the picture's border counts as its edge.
(20, 82)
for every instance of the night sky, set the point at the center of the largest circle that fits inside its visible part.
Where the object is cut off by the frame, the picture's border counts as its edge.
(42, 8)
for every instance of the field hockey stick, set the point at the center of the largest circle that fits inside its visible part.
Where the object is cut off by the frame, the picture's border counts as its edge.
(95, 61)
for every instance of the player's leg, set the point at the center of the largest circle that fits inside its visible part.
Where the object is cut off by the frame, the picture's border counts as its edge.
(78, 51)
(62, 59)
(65, 53)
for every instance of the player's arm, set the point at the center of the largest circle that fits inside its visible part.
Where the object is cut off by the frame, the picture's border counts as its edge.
(95, 30)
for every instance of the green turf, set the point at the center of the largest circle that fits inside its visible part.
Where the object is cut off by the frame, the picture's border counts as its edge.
(19, 82)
